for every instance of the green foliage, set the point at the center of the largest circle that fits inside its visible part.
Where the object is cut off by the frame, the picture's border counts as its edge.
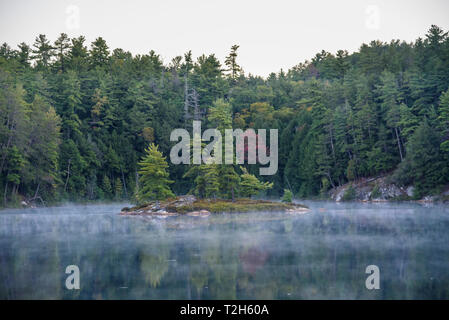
(250, 185)
(220, 115)
(375, 193)
(238, 205)
(288, 196)
(212, 185)
(154, 182)
(118, 189)
(75, 113)
(107, 188)
(231, 62)
(424, 166)
(349, 194)
(443, 117)
(229, 181)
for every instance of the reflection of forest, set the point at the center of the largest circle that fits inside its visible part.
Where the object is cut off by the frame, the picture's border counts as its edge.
(322, 256)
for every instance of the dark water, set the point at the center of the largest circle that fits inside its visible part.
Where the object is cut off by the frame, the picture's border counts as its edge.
(321, 254)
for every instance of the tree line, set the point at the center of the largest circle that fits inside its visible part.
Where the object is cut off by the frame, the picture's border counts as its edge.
(76, 119)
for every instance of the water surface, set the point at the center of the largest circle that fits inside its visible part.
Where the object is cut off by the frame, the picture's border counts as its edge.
(319, 255)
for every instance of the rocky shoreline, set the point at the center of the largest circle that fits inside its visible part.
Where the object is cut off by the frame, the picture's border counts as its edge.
(191, 206)
(380, 189)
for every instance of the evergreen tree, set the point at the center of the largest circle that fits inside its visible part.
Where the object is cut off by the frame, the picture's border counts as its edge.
(153, 182)
(118, 189)
(211, 179)
(424, 166)
(107, 188)
(229, 181)
(62, 44)
(231, 62)
(250, 185)
(43, 52)
(443, 118)
(288, 196)
(99, 53)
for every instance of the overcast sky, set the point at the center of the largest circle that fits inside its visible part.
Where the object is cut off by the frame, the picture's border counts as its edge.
(272, 34)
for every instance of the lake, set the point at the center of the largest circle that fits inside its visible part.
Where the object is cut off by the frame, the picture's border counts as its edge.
(322, 254)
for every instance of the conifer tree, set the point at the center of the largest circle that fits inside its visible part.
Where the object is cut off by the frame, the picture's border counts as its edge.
(154, 181)
(107, 186)
(118, 189)
(43, 52)
(250, 185)
(443, 118)
(62, 44)
(231, 63)
(212, 185)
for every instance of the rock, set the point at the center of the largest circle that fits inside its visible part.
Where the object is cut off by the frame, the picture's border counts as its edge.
(297, 210)
(200, 213)
(427, 199)
(410, 190)
(371, 189)
(183, 200)
(339, 194)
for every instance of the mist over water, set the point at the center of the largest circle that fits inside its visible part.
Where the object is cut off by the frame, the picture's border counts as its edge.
(319, 255)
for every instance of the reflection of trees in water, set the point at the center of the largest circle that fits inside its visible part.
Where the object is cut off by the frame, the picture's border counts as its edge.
(323, 256)
(252, 259)
(154, 263)
(199, 274)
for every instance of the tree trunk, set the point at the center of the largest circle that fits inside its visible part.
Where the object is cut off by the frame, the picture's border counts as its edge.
(68, 175)
(399, 143)
(124, 183)
(4, 195)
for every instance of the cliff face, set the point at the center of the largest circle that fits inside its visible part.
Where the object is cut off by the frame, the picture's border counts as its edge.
(371, 189)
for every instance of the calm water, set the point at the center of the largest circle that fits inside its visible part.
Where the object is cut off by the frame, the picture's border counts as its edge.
(322, 254)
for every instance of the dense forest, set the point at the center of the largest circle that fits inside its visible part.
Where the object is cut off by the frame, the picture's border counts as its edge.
(76, 120)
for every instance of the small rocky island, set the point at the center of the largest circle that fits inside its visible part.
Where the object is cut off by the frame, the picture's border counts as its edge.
(190, 205)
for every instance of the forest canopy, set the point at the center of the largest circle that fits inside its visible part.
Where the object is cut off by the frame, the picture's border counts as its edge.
(76, 118)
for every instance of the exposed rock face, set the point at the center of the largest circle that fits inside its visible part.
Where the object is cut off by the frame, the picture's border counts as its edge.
(160, 208)
(370, 189)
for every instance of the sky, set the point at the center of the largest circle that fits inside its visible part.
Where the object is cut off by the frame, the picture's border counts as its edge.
(272, 35)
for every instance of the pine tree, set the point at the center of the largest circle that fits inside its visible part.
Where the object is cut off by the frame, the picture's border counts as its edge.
(288, 196)
(229, 181)
(212, 185)
(423, 166)
(78, 54)
(443, 111)
(118, 189)
(250, 185)
(231, 63)
(153, 176)
(107, 186)
(99, 53)
(62, 44)
(23, 54)
(43, 52)
(408, 121)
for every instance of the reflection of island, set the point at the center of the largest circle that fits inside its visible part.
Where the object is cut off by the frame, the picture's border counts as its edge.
(192, 206)
(252, 259)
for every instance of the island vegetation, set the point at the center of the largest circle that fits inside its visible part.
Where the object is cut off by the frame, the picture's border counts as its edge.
(80, 123)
